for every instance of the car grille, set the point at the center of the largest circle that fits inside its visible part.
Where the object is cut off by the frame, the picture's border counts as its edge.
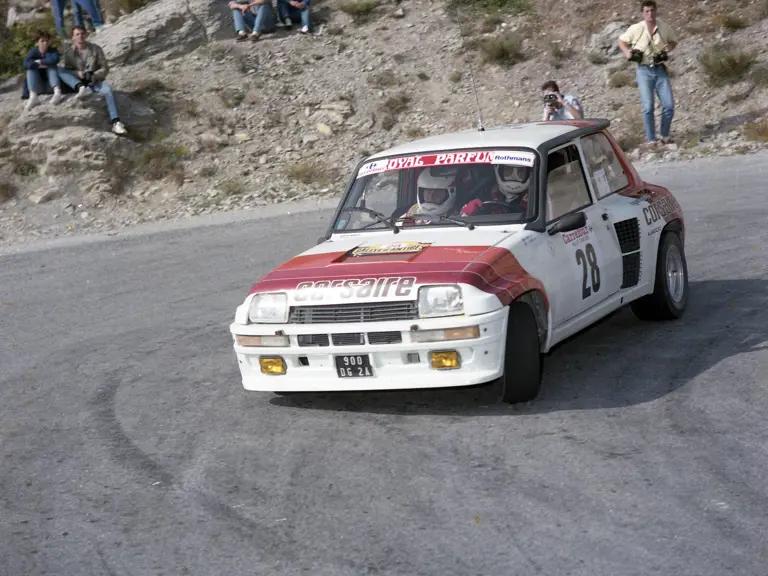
(349, 313)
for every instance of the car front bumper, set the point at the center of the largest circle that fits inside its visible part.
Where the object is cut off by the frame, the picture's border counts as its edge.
(400, 365)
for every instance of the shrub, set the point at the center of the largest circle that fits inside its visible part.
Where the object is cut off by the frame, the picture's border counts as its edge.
(19, 40)
(506, 49)
(724, 63)
(757, 131)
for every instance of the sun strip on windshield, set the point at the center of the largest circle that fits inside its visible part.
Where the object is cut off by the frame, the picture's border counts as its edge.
(514, 158)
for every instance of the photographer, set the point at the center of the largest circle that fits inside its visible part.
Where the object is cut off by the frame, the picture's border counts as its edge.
(648, 43)
(560, 106)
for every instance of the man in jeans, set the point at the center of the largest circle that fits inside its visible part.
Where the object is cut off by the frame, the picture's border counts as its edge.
(256, 15)
(289, 9)
(84, 70)
(42, 72)
(647, 43)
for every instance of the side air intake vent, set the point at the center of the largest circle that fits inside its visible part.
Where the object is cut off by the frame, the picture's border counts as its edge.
(628, 233)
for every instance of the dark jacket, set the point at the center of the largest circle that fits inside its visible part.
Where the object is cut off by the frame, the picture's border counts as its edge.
(51, 58)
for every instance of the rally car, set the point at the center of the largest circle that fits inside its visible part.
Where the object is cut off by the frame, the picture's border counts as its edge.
(462, 259)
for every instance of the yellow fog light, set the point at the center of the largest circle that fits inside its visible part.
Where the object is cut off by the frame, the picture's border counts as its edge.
(272, 365)
(446, 360)
(465, 333)
(256, 341)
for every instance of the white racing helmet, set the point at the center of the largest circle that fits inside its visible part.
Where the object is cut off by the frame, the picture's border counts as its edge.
(512, 180)
(437, 190)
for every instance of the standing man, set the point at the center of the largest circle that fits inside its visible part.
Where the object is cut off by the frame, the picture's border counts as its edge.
(648, 43)
(560, 106)
(85, 70)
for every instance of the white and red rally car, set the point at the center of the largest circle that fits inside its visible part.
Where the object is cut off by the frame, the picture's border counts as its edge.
(461, 259)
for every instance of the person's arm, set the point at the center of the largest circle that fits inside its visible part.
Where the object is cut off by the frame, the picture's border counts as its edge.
(31, 61)
(102, 68)
(627, 38)
(51, 59)
(574, 109)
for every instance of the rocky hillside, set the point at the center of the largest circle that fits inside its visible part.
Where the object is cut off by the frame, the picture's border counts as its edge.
(218, 125)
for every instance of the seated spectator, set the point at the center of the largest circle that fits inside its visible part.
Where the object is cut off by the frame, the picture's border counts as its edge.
(254, 15)
(42, 73)
(85, 69)
(290, 9)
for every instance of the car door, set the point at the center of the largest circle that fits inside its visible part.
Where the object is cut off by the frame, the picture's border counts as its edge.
(589, 268)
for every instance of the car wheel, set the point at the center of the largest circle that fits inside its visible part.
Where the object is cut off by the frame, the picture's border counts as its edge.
(523, 360)
(670, 293)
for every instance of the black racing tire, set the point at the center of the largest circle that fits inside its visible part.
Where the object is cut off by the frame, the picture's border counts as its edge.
(670, 293)
(523, 360)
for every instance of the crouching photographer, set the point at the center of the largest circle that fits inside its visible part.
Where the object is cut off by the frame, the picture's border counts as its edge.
(559, 106)
(648, 44)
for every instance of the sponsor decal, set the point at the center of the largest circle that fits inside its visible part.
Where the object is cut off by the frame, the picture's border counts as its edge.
(660, 209)
(447, 159)
(391, 248)
(353, 288)
(655, 230)
(570, 237)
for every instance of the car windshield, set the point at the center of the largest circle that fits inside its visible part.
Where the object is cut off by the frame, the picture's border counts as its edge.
(456, 188)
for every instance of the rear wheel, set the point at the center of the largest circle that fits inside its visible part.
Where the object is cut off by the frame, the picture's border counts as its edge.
(670, 293)
(523, 360)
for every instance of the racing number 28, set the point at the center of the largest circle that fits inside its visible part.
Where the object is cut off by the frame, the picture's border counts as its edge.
(587, 259)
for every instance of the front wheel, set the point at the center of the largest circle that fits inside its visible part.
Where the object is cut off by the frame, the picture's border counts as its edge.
(523, 360)
(670, 293)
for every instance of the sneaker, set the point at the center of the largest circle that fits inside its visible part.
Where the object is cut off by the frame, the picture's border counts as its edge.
(32, 102)
(241, 36)
(288, 23)
(82, 93)
(305, 30)
(254, 36)
(56, 98)
(119, 128)
(667, 140)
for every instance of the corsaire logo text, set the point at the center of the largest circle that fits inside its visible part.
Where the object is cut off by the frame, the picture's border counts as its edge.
(385, 287)
(660, 209)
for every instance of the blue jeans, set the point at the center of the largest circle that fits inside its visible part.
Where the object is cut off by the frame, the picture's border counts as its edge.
(288, 11)
(57, 7)
(69, 77)
(42, 79)
(652, 81)
(263, 21)
(93, 10)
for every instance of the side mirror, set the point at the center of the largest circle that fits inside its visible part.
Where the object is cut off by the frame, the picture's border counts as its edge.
(569, 222)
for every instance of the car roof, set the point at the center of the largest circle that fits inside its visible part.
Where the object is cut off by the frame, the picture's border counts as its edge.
(526, 135)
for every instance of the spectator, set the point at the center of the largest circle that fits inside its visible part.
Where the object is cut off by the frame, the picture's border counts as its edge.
(290, 9)
(42, 73)
(85, 69)
(560, 106)
(261, 21)
(647, 43)
(57, 7)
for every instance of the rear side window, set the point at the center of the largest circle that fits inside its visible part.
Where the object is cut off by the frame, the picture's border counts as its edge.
(566, 187)
(603, 166)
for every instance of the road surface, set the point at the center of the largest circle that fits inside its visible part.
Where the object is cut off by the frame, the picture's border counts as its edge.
(128, 446)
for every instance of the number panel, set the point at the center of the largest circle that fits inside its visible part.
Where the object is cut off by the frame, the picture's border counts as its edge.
(354, 366)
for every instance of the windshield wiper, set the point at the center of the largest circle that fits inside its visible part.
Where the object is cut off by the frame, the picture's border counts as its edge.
(433, 218)
(378, 215)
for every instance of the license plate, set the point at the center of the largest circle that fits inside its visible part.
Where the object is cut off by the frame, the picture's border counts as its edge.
(354, 366)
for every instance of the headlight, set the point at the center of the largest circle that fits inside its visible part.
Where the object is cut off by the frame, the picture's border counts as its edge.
(270, 308)
(440, 301)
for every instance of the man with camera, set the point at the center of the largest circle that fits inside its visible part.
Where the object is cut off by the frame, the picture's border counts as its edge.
(648, 44)
(560, 106)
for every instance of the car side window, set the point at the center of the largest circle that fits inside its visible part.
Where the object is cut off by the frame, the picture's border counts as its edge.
(567, 188)
(603, 166)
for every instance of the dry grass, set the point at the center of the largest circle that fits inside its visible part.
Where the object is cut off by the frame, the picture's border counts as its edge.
(455, 76)
(308, 172)
(160, 161)
(359, 9)
(724, 63)
(7, 191)
(415, 132)
(730, 22)
(474, 7)
(620, 80)
(757, 131)
(632, 134)
(506, 49)
(759, 76)
(559, 54)
(383, 79)
(231, 187)
(392, 107)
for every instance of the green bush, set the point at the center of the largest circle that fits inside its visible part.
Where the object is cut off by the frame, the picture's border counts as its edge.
(19, 40)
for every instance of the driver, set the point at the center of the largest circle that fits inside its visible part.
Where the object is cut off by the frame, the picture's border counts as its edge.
(511, 187)
(436, 193)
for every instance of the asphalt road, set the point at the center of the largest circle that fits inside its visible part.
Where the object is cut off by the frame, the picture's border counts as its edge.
(128, 446)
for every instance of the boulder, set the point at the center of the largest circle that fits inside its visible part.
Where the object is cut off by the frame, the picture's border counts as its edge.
(606, 41)
(171, 28)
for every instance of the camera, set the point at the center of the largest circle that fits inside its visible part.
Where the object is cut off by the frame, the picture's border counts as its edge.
(551, 99)
(635, 55)
(660, 57)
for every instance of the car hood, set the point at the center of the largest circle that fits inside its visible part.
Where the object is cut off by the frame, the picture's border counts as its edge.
(444, 256)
